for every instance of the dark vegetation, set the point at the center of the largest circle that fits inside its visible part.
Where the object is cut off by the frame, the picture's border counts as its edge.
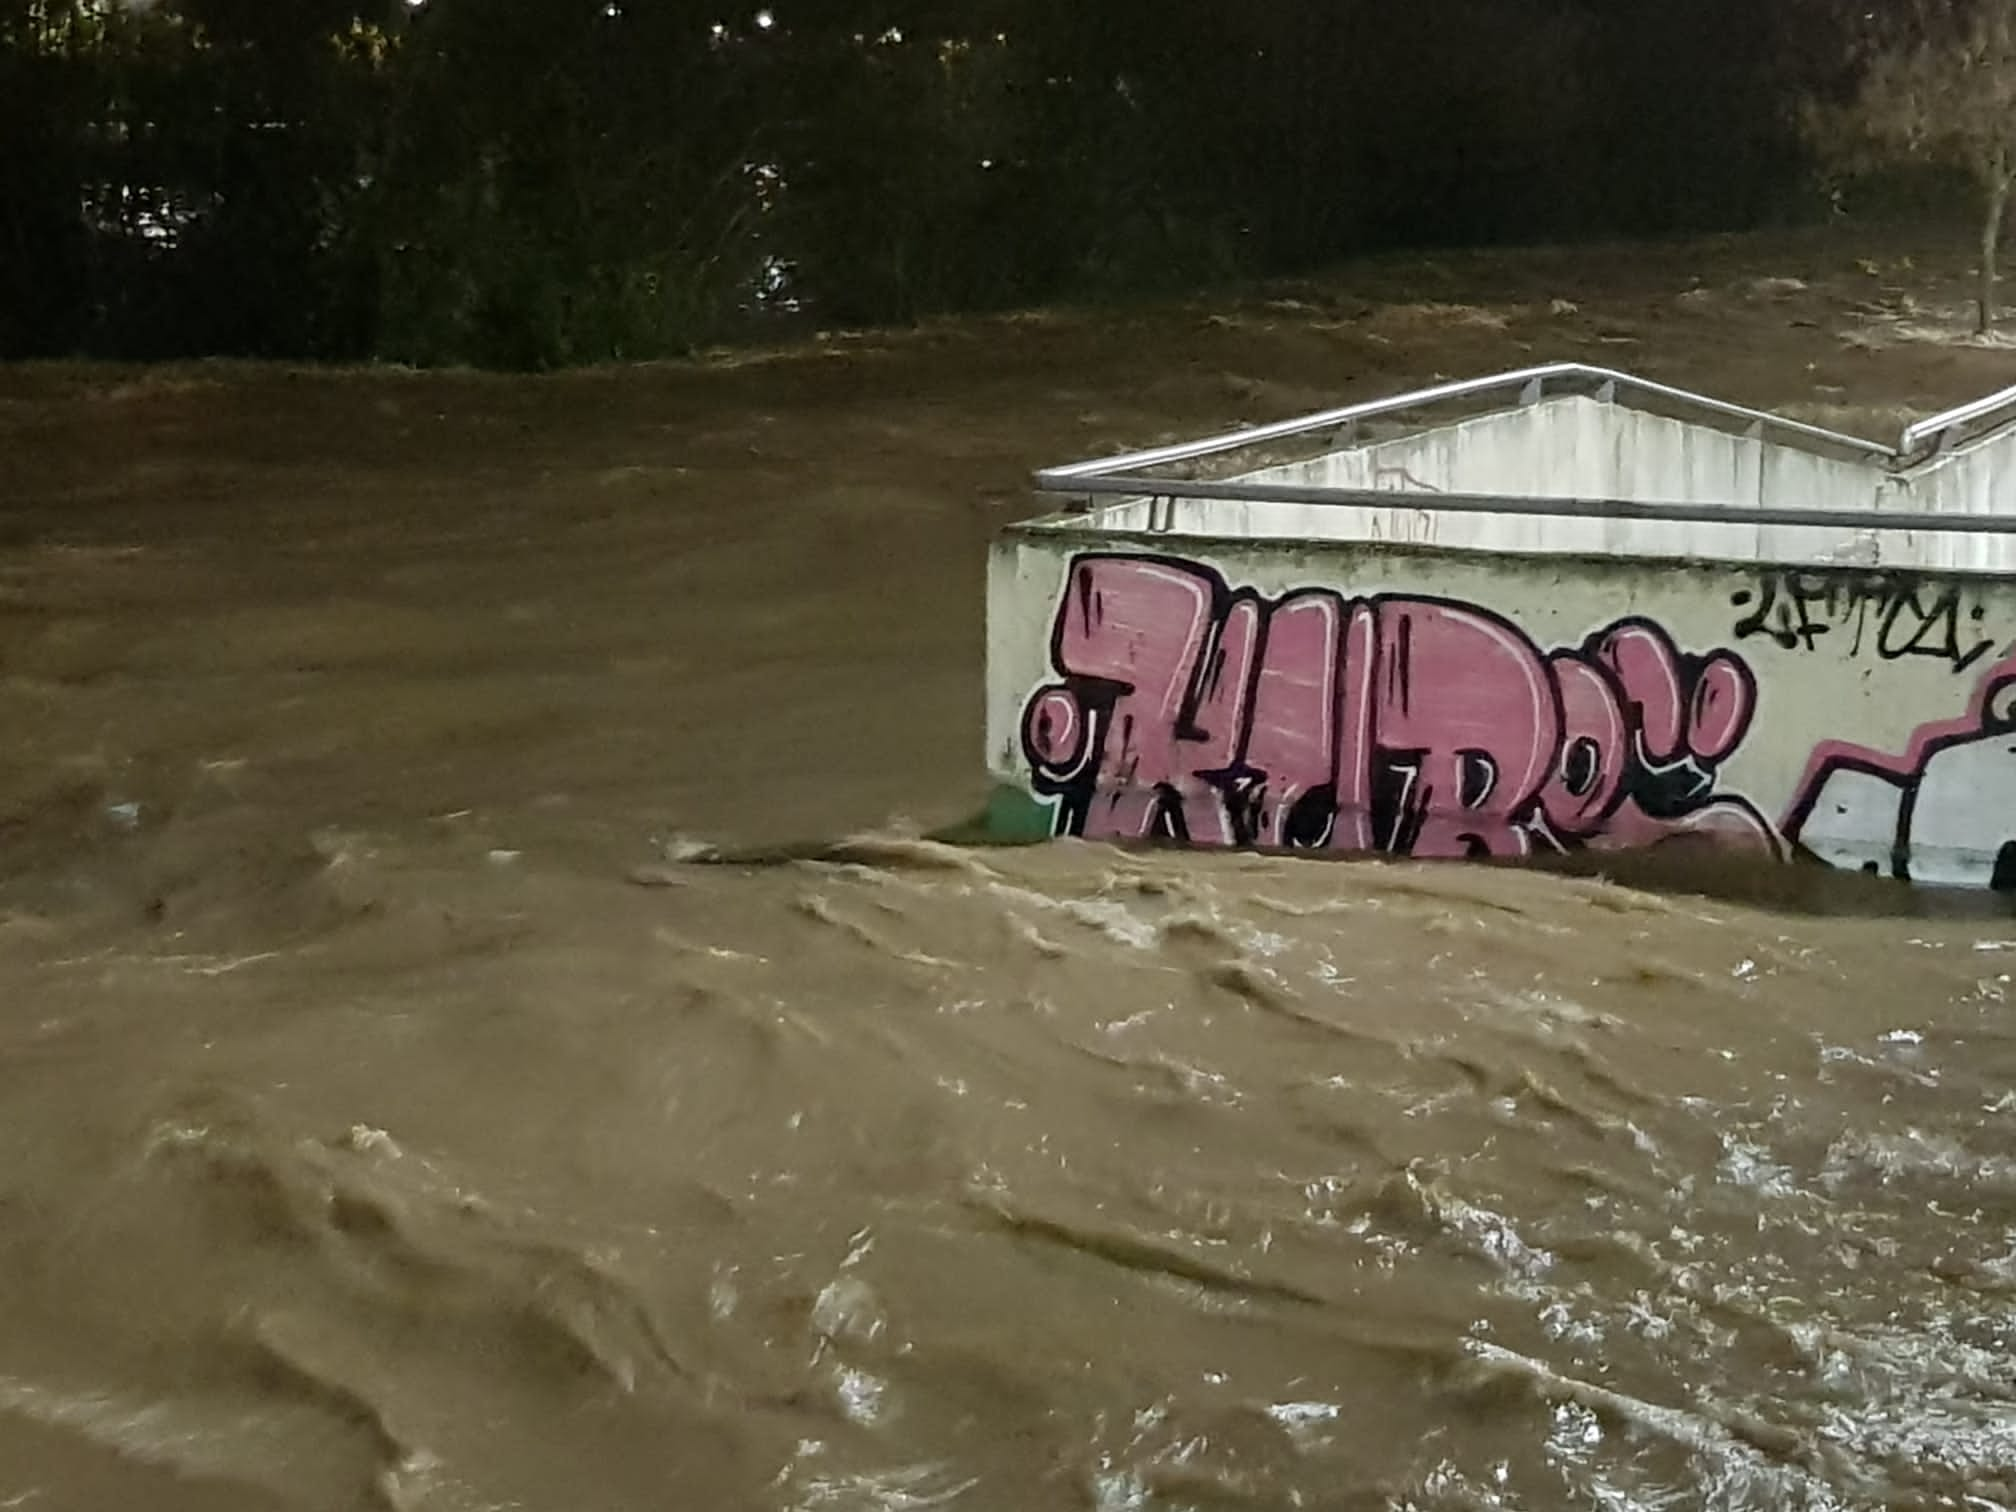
(1933, 84)
(529, 183)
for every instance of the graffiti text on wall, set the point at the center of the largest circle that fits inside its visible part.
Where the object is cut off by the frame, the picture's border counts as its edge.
(1410, 725)
(1891, 615)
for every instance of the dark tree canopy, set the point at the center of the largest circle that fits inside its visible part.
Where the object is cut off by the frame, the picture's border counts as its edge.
(535, 182)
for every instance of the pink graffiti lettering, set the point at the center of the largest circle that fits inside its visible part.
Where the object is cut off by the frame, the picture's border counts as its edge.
(1293, 738)
(1407, 725)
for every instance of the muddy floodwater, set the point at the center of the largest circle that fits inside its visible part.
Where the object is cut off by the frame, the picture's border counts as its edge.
(403, 1105)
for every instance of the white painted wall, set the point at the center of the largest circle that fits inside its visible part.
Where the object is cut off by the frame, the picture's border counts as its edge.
(1539, 535)
(1575, 446)
(1977, 479)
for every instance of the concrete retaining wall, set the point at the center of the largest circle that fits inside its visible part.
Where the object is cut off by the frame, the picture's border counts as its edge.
(1399, 698)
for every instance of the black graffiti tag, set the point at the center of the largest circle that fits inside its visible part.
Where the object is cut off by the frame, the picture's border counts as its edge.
(1894, 615)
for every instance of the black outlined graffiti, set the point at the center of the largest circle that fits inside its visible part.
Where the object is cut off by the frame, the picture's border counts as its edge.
(1320, 719)
(1940, 810)
(1891, 615)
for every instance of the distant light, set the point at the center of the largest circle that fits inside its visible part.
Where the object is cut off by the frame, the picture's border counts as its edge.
(986, 162)
(894, 34)
(719, 31)
(415, 4)
(612, 10)
(765, 20)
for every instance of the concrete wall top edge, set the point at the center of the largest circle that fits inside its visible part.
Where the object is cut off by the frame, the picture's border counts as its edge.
(1074, 533)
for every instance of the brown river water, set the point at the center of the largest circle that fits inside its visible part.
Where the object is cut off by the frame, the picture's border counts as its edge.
(403, 1109)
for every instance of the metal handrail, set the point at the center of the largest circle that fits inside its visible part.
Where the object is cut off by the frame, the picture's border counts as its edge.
(1935, 432)
(1609, 509)
(1052, 479)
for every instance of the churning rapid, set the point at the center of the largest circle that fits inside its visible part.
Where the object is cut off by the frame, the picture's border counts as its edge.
(911, 1177)
(415, 1097)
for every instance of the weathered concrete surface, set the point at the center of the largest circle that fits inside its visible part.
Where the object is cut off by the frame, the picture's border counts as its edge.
(1347, 696)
